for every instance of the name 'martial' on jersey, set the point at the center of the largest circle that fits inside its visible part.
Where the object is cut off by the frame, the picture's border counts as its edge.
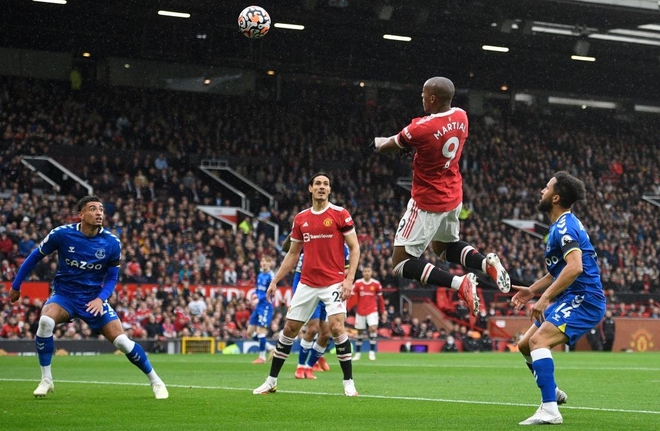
(438, 141)
(449, 127)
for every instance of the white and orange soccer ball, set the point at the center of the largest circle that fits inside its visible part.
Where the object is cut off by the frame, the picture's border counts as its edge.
(254, 22)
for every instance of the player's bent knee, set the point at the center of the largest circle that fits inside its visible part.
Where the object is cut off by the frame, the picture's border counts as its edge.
(46, 327)
(536, 343)
(337, 329)
(124, 344)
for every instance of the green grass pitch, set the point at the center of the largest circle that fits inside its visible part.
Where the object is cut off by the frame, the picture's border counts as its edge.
(483, 391)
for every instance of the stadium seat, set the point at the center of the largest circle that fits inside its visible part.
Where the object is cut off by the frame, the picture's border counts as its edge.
(385, 332)
(443, 299)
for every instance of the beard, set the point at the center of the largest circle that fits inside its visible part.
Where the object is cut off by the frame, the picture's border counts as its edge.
(545, 205)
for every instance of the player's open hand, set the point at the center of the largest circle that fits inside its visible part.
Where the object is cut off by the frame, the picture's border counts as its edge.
(538, 310)
(522, 296)
(270, 293)
(95, 306)
(346, 289)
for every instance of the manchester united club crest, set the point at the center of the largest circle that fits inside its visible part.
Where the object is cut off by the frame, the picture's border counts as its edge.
(641, 340)
(327, 222)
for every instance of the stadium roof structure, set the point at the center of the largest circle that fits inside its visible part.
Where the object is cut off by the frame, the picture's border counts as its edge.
(620, 39)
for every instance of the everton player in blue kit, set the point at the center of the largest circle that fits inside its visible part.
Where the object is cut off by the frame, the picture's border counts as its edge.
(572, 301)
(89, 258)
(263, 310)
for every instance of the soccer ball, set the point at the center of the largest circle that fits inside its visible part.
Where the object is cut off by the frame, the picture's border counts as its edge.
(254, 22)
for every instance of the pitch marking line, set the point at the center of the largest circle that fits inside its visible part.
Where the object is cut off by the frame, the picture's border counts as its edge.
(463, 365)
(436, 400)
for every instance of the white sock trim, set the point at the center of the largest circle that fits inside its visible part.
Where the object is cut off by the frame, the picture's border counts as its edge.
(306, 344)
(46, 372)
(46, 326)
(542, 353)
(123, 343)
(320, 349)
(153, 377)
(551, 407)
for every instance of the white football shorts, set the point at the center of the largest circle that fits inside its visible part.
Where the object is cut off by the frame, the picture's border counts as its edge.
(306, 298)
(418, 228)
(362, 322)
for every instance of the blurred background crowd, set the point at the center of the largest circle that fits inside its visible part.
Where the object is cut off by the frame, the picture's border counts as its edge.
(140, 150)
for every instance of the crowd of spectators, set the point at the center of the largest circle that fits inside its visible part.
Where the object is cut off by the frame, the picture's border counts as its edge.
(140, 151)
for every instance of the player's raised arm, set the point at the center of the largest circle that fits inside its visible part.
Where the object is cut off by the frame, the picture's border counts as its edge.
(386, 145)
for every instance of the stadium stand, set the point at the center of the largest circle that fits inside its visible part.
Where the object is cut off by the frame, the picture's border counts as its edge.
(141, 151)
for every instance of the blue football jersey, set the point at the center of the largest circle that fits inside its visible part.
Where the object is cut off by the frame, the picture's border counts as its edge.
(566, 235)
(299, 263)
(83, 260)
(263, 281)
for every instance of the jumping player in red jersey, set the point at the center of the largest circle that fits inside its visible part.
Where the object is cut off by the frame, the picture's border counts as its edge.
(368, 296)
(436, 198)
(323, 229)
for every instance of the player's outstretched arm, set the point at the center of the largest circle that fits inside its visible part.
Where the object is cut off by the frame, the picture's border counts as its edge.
(522, 296)
(525, 294)
(386, 145)
(26, 268)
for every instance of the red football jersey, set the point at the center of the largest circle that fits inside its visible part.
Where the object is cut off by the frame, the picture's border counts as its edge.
(438, 142)
(369, 296)
(322, 234)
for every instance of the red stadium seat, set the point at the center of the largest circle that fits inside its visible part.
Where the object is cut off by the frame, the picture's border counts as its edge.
(385, 332)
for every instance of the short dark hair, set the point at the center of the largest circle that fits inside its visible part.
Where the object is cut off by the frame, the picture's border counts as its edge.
(569, 189)
(87, 199)
(319, 174)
